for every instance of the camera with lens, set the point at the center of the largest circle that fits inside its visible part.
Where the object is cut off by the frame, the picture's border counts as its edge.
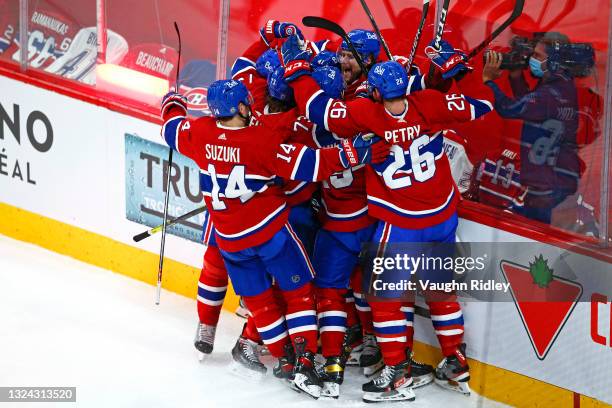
(518, 56)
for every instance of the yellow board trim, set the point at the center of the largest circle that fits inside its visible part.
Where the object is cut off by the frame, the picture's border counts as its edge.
(487, 380)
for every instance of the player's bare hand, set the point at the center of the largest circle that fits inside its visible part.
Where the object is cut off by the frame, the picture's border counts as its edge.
(492, 71)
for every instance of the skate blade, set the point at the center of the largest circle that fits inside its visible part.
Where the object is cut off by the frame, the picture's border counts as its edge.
(422, 380)
(330, 390)
(241, 371)
(403, 394)
(369, 371)
(460, 387)
(312, 390)
(201, 356)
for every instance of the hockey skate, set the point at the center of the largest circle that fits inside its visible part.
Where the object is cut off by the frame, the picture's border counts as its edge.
(371, 359)
(453, 372)
(394, 383)
(333, 376)
(422, 374)
(353, 338)
(306, 378)
(246, 362)
(204, 340)
(285, 366)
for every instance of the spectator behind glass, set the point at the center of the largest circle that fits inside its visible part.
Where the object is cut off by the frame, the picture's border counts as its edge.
(550, 167)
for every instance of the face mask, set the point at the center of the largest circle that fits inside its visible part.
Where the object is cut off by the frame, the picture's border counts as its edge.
(536, 67)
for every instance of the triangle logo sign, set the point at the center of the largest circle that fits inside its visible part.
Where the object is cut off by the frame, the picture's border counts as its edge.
(544, 301)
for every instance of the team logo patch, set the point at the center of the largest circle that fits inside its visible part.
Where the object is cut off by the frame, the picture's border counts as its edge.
(196, 99)
(295, 278)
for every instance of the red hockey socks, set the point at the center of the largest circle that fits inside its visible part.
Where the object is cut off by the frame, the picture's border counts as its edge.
(390, 329)
(332, 319)
(250, 330)
(211, 287)
(447, 320)
(269, 320)
(301, 316)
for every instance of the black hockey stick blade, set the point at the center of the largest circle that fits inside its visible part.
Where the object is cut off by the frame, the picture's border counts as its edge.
(141, 236)
(516, 13)
(320, 22)
(376, 29)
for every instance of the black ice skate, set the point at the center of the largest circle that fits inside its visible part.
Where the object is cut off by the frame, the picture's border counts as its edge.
(394, 383)
(333, 376)
(204, 340)
(371, 359)
(306, 377)
(246, 362)
(285, 365)
(422, 374)
(453, 372)
(353, 339)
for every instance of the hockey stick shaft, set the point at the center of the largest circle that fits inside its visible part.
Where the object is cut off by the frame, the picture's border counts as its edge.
(516, 13)
(167, 198)
(417, 36)
(375, 27)
(320, 22)
(174, 221)
(439, 31)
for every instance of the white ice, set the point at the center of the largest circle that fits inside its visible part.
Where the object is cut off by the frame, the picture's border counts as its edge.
(67, 323)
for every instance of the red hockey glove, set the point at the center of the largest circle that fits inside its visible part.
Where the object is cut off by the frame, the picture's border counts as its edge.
(173, 104)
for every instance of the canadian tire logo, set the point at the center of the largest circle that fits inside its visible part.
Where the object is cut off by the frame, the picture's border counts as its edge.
(544, 301)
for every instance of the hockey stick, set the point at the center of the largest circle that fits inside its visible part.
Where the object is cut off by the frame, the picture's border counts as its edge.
(174, 221)
(320, 22)
(375, 26)
(417, 36)
(167, 198)
(516, 13)
(439, 32)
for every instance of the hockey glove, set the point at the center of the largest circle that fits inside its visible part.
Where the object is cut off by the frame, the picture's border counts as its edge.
(295, 58)
(173, 101)
(274, 29)
(363, 149)
(450, 62)
(362, 90)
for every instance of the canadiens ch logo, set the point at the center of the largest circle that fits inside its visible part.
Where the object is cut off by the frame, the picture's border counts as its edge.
(544, 301)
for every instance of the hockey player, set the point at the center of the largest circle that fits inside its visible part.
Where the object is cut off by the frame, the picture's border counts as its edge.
(412, 193)
(239, 164)
(368, 47)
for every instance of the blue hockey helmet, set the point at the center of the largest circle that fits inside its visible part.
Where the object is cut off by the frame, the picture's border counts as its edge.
(389, 78)
(267, 63)
(330, 80)
(325, 59)
(277, 86)
(225, 95)
(366, 43)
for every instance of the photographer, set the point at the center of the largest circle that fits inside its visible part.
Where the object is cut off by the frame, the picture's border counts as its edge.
(550, 167)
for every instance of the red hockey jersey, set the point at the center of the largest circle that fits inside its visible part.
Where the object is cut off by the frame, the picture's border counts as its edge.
(238, 174)
(414, 188)
(499, 179)
(343, 195)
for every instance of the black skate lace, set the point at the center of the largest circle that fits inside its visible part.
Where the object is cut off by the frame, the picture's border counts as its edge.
(385, 376)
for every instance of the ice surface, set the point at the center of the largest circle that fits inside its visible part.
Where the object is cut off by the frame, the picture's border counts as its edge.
(67, 323)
